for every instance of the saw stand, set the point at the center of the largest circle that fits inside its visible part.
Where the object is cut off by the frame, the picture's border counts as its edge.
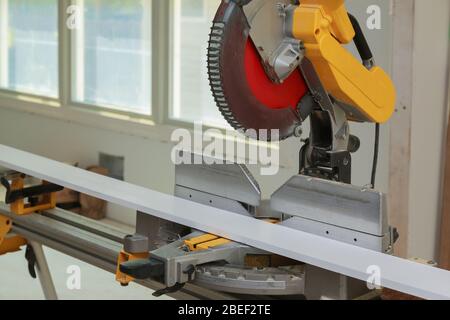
(42, 270)
(41, 197)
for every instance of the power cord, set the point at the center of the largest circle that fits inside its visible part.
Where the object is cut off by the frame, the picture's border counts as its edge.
(375, 155)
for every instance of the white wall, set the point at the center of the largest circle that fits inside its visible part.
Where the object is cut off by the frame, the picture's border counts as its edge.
(145, 160)
(429, 118)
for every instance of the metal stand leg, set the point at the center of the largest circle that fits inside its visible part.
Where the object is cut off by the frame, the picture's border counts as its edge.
(43, 272)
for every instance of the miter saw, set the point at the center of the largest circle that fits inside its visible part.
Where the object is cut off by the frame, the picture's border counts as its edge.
(274, 64)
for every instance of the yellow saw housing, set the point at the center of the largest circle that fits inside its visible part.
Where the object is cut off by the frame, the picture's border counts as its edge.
(324, 26)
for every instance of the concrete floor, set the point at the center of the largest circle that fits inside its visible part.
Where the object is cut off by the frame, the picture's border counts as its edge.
(96, 284)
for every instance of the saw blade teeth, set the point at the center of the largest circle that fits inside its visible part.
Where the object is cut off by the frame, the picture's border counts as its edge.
(214, 57)
(215, 44)
(218, 28)
(215, 76)
(215, 38)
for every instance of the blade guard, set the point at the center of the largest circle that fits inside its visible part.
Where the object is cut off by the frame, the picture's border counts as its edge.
(244, 94)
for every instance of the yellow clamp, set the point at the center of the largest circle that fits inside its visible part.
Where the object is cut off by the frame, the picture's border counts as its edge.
(208, 241)
(47, 201)
(9, 243)
(121, 277)
(12, 243)
(205, 242)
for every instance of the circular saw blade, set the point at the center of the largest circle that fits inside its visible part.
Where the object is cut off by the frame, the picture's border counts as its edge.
(243, 92)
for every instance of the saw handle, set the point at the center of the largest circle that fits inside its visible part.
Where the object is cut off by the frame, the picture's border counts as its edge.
(361, 41)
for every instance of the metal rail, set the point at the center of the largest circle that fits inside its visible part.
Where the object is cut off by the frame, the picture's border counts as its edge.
(79, 237)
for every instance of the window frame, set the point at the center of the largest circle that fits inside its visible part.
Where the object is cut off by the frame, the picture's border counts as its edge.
(4, 56)
(170, 47)
(66, 109)
(69, 78)
(4, 19)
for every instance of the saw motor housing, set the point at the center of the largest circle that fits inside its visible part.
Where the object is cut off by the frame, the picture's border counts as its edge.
(285, 34)
(324, 26)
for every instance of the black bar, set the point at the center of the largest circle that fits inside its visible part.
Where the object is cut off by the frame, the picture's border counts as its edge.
(360, 40)
(12, 196)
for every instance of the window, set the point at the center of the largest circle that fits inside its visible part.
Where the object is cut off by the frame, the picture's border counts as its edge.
(29, 46)
(192, 99)
(193, 9)
(111, 55)
(97, 55)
